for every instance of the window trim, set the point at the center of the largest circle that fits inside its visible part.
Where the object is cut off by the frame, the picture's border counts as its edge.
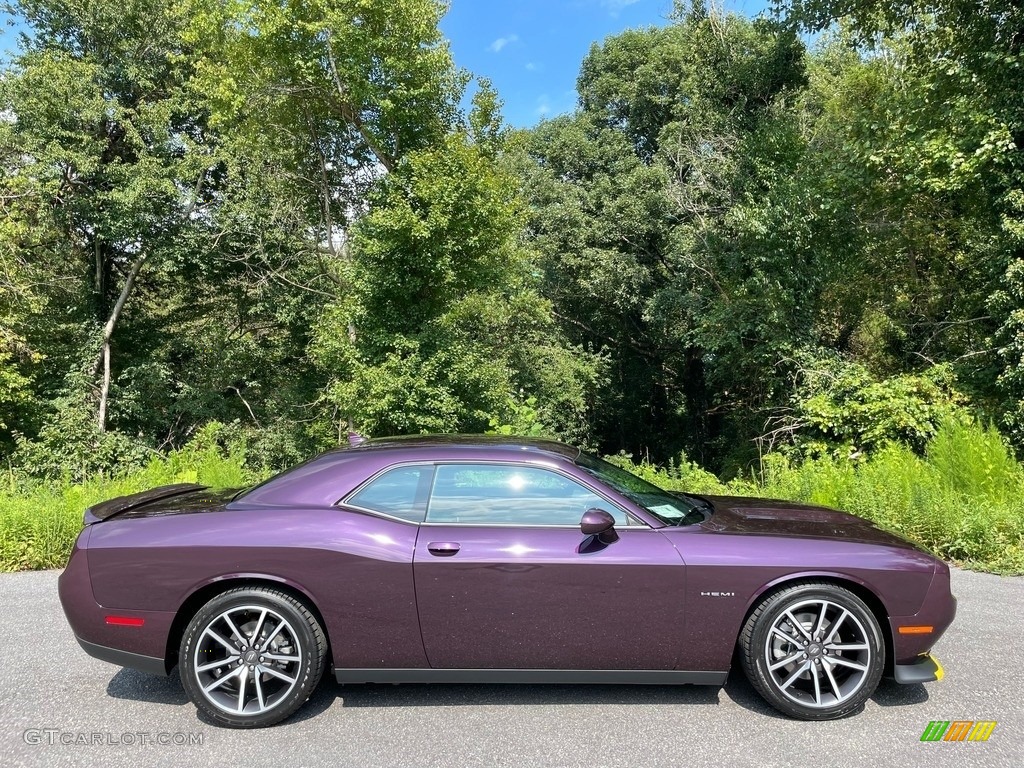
(636, 523)
(344, 500)
(633, 522)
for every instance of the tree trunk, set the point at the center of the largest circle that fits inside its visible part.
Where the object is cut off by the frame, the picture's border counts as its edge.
(98, 285)
(115, 314)
(350, 113)
(108, 333)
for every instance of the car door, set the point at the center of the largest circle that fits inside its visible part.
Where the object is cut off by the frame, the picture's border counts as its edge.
(506, 580)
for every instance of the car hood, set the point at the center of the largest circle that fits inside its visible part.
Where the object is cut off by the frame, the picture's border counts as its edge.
(734, 514)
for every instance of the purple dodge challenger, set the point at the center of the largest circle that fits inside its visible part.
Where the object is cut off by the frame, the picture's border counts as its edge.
(495, 560)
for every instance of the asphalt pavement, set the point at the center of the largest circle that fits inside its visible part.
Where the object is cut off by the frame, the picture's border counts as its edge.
(59, 707)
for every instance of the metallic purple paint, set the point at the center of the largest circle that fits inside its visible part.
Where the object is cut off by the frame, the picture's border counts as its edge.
(494, 597)
(517, 598)
(750, 566)
(356, 569)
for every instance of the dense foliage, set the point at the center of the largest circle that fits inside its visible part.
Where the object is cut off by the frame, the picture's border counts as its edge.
(272, 216)
(281, 219)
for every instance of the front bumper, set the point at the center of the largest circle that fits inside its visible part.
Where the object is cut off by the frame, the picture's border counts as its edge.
(915, 636)
(925, 669)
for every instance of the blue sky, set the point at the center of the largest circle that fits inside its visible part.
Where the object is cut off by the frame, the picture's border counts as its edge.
(531, 49)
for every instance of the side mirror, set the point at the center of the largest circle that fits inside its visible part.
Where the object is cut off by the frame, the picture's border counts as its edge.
(597, 522)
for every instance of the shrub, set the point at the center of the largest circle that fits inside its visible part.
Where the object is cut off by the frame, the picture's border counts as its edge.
(840, 408)
(39, 519)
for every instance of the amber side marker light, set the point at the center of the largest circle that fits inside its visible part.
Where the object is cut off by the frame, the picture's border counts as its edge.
(125, 621)
(916, 630)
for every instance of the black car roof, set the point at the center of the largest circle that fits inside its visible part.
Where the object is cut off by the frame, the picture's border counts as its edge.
(483, 442)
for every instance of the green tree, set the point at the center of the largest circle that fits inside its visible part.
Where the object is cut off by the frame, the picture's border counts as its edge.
(185, 177)
(659, 211)
(450, 324)
(110, 158)
(938, 119)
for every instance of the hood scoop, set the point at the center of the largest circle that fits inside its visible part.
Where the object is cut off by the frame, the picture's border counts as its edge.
(789, 519)
(806, 515)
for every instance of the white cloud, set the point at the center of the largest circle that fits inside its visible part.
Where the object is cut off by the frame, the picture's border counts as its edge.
(532, 67)
(501, 42)
(543, 106)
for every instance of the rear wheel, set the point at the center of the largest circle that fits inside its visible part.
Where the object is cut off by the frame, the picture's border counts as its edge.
(813, 651)
(251, 656)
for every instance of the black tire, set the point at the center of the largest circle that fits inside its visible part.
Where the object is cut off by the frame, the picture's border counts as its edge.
(823, 666)
(255, 684)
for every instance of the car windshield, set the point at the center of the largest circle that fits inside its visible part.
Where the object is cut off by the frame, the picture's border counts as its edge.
(671, 508)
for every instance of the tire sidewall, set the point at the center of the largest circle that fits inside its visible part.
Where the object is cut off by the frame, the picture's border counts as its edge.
(783, 601)
(310, 652)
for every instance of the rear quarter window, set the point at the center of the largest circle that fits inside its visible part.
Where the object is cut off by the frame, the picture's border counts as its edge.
(400, 492)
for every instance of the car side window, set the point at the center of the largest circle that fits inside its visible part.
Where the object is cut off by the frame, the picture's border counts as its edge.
(399, 492)
(492, 494)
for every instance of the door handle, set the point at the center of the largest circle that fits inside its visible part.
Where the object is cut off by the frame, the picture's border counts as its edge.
(443, 548)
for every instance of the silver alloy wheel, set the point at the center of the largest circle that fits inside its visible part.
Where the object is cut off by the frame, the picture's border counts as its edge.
(247, 660)
(817, 653)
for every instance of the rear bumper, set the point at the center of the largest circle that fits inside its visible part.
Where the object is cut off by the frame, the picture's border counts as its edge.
(141, 647)
(923, 670)
(150, 664)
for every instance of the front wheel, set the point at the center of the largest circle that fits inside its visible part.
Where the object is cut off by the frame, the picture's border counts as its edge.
(813, 651)
(251, 656)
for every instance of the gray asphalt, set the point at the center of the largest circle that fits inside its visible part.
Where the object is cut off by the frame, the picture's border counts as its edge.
(50, 691)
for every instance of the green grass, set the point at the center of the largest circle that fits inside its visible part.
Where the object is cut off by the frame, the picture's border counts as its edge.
(963, 500)
(40, 520)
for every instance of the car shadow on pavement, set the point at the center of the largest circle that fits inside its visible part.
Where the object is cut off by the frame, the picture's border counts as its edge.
(742, 693)
(888, 694)
(139, 686)
(737, 689)
(330, 694)
(893, 694)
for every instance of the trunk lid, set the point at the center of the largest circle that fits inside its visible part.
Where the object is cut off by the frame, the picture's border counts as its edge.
(181, 498)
